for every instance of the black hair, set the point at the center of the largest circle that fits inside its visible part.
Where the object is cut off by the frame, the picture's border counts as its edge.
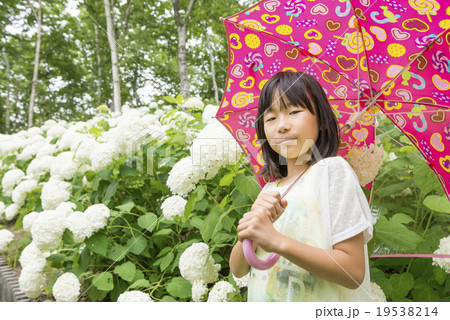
(297, 89)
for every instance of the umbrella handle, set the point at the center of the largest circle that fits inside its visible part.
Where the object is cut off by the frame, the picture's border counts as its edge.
(252, 260)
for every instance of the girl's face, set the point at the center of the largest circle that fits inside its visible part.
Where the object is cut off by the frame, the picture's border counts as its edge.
(296, 123)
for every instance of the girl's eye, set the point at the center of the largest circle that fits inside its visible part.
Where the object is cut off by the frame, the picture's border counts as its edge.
(295, 111)
(269, 119)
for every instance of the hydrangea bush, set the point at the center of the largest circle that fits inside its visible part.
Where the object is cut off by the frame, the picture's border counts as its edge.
(143, 206)
(126, 206)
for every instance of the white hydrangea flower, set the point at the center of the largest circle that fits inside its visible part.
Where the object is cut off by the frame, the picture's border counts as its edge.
(31, 150)
(366, 161)
(64, 166)
(219, 292)
(103, 156)
(20, 192)
(46, 150)
(86, 183)
(242, 282)
(6, 237)
(56, 131)
(11, 211)
(444, 248)
(134, 296)
(192, 264)
(32, 256)
(78, 223)
(65, 208)
(70, 140)
(199, 289)
(377, 293)
(28, 220)
(54, 193)
(183, 177)
(31, 281)
(209, 112)
(193, 103)
(10, 179)
(84, 150)
(47, 229)
(67, 288)
(160, 102)
(40, 166)
(173, 207)
(153, 105)
(97, 215)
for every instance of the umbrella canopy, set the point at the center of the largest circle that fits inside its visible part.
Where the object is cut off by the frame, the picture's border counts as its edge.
(369, 56)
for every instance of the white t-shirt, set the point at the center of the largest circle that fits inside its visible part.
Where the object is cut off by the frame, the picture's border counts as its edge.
(325, 206)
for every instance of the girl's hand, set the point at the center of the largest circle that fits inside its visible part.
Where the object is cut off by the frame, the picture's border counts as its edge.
(257, 226)
(271, 203)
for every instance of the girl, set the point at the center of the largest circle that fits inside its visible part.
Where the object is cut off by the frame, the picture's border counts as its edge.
(320, 230)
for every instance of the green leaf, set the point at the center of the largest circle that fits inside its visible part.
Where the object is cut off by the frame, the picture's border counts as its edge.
(424, 178)
(148, 221)
(170, 99)
(401, 218)
(190, 204)
(402, 284)
(168, 299)
(210, 224)
(68, 237)
(247, 186)
(437, 203)
(110, 191)
(126, 271)
(159, 186)
(163, 232)
(166, 260)
(141, 283)
(440, 275)
(103, 281)
(56, 257)
(126, 207)
(90, 175)
(137, 245)
(117, 253)
(95, 131)
(126, 171)
(98, 243)
(179, 287)
(105, 174)
(105, 125)
(395, 235)
(393, 188)
(227, 179)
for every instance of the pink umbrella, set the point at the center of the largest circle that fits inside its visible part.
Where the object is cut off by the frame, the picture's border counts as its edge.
(389, 56)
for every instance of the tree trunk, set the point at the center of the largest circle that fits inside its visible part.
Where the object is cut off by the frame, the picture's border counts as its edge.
(117, 105)
(135, 81)
(211, 59)
(8, 90)
(182, 39)
(19, 70)
(99, 67)
(38, 17)
(126, 17)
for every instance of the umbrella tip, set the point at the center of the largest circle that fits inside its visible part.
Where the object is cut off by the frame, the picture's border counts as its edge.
(221, 19)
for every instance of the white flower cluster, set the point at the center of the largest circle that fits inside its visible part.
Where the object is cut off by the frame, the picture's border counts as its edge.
(198, 268)
(173, 206)
(54, 192)
(32, 279)
(11, 211)
(6, 237)
(366, 161)
(134, 296)
(209, 113)
(220, 291)
(377, 293)
(444, 248)
(47, 229)
(10, 180)
(66, 288)
(212, 149)
(20, 192)
(193, 103)
(84, 224)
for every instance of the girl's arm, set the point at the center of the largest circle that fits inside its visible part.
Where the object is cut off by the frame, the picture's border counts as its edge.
(344, 264)
(238, 264)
